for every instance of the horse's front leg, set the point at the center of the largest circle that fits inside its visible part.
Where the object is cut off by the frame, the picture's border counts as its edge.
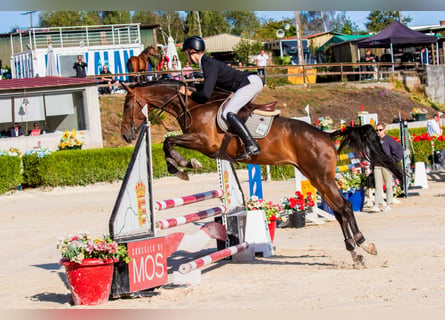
(175, 159)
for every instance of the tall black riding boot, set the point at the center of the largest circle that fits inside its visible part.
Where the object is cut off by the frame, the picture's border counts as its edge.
(236, 125)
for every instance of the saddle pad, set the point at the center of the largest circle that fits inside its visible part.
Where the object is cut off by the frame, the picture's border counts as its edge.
(258, 125)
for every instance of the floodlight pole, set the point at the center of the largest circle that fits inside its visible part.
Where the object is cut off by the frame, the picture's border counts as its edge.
(299, 42)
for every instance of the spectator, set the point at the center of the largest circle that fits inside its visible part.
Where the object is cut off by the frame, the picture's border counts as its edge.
(261, 61)
(36, 130)
(16, 131)
(107, 80)
(395, 151)
(433, 126)
(175, 67)
(187, 71)
(369, 57)
(80, 66)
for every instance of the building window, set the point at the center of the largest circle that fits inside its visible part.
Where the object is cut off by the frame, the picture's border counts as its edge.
(54, 112)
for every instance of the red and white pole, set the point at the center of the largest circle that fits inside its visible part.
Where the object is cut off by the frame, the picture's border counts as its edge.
(206, 260)
(173, 222)
(182, 201)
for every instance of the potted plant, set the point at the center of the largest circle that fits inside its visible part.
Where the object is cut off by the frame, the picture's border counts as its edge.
(419, 114)
(271, 211)
(295, 209)
(351, 184)
(69, 140)
(325, 123)
(89, 266)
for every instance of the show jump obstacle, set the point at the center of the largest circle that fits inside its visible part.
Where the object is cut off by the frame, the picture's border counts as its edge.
(133, 222)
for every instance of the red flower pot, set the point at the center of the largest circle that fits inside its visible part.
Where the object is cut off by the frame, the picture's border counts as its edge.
(89, 281)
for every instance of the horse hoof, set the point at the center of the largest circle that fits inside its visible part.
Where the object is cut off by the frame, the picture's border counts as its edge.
(369, 248)
(182, 175)
(195, 164)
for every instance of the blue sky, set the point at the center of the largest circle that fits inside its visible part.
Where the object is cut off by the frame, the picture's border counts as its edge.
(8, 19)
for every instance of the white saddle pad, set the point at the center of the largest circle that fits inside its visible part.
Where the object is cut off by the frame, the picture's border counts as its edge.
(257, 124)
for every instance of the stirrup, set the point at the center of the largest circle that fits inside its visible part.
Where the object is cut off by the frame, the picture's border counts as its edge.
(247, 155)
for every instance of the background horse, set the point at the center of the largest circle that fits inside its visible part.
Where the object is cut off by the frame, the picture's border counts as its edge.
(140, 63)
(289, 142)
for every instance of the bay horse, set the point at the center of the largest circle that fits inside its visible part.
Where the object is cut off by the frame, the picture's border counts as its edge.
(140, 62)
(289, 142)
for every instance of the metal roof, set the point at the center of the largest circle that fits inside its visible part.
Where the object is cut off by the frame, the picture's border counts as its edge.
(43, 82)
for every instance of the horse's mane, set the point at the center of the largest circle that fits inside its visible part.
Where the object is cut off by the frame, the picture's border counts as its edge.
(174, 84)
(169, 83)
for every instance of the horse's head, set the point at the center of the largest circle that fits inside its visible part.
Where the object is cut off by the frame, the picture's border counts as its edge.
(132, 117)
(155, 95)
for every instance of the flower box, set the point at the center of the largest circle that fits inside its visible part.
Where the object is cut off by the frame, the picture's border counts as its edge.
(355, 197)
(420, 117)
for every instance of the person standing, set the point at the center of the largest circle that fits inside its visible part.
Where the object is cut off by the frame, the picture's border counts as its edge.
(216, 73)
(369, 57)
(261, 61)
(433, 126)
(80, 66)
(394, 150)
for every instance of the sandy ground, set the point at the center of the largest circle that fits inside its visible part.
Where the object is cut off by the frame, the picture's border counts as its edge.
(310, 269)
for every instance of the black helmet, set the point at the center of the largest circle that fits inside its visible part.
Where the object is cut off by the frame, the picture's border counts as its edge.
(195, 43)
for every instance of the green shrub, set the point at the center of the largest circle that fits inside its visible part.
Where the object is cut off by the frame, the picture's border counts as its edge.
(10, 173)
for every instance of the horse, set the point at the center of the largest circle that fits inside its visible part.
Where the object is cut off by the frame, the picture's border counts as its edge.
(139, 63)
(289, 142)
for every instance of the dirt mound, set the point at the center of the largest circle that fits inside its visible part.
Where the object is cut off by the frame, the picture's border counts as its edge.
(338, 102)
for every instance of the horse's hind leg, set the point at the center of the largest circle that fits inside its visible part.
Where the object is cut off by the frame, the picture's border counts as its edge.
(345, 216)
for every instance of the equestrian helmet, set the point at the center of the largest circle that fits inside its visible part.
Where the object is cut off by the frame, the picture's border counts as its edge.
(195, 43)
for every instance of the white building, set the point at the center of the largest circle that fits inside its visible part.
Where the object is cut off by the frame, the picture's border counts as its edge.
(57, 104)
(104, 44)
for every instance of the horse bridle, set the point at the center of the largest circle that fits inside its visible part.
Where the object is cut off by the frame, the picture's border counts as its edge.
(185, 112)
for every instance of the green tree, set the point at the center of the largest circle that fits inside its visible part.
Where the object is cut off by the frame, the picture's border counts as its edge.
(343, 24)
(146, 17)
(115, 17)
(91, 18)
(243, 21)
(247, 48)
(269, 29)
(379, 20)
(213, 23)
(60, 18)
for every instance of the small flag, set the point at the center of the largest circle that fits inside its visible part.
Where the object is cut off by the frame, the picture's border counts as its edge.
(362, 108)
(342, 125)
(317, 123)
(145, 110)
(307, 110)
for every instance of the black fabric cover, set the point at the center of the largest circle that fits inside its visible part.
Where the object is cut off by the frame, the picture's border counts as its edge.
(397, 34)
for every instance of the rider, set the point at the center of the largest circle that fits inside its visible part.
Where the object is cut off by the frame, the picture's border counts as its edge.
(216, 73)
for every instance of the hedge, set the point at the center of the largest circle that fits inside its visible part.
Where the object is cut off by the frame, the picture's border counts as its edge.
(10, 173)
(83, 167)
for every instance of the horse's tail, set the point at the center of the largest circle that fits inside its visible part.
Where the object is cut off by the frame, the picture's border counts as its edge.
(366, 143)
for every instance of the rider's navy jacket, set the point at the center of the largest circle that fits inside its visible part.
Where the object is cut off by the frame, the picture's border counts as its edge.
(218, 74)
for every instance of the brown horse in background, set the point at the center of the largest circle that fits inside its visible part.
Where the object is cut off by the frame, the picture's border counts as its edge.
(289, 142)
(140, 63)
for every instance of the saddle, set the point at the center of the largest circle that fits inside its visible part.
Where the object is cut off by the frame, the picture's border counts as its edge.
(258, 119)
